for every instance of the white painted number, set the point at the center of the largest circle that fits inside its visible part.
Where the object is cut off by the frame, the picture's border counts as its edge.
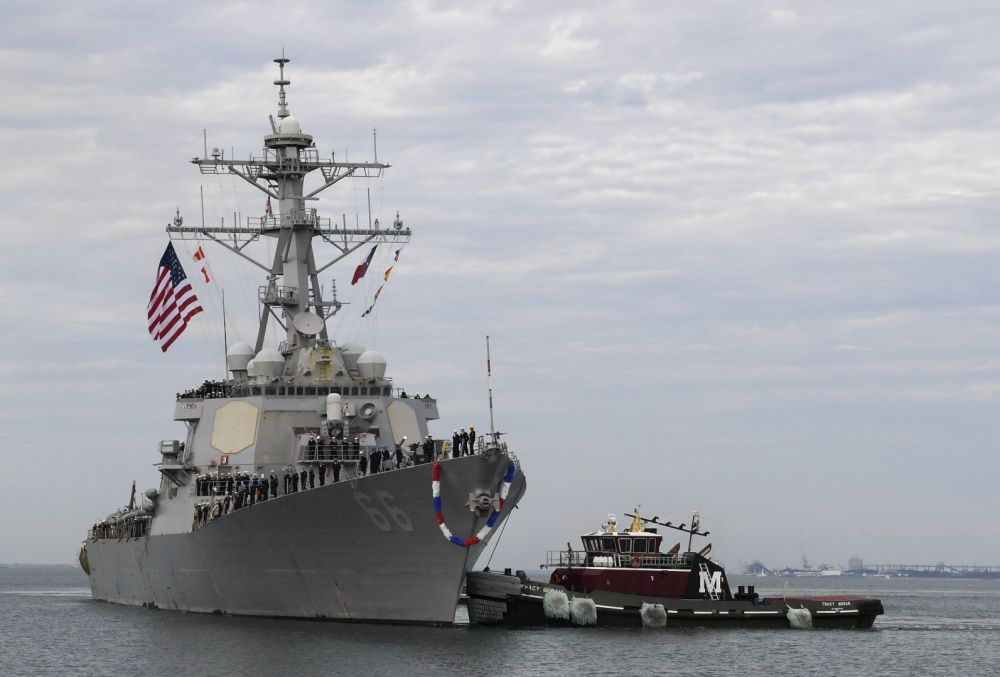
(374, 514)
(388, 502)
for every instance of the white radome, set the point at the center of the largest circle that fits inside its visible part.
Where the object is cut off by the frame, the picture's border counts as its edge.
(350, 352)
(371, 364)
(290, 126)
(269, 362)
(238, 356)
(334, 407)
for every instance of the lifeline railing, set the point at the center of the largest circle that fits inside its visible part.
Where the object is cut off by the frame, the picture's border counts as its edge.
(575, 558)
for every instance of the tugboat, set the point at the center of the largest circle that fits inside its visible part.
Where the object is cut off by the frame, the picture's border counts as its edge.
(624, 579)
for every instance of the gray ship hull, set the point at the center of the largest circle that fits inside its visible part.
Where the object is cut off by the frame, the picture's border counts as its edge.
(364, 550)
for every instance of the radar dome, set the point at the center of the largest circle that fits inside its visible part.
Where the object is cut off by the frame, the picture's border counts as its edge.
(371, 364)
(351, 351)
(352, 347)
(269, 362)
(289, 126)
(238, 356)
(252, 369)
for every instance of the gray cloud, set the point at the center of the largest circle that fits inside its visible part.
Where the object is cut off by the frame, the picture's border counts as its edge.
(733, 258)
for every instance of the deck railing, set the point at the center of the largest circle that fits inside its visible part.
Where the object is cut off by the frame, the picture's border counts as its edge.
(574, 558)
(565, 558)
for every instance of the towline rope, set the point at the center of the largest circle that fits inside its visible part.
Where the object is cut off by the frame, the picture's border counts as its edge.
(472, 540)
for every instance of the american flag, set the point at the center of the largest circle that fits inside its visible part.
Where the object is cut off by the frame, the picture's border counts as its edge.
(172, 302)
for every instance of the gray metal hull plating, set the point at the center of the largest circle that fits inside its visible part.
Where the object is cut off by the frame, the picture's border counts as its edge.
(369, 550)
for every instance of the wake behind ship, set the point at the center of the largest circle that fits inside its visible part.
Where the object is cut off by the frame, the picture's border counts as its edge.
(306, 484)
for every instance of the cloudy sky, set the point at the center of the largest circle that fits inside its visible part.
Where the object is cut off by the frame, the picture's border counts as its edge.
(734, 257)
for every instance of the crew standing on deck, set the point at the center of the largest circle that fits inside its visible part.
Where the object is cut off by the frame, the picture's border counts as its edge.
(428, 449)
(456, 444)
(472, 439)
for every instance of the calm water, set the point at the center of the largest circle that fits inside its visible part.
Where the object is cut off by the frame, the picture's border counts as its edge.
(50, 626)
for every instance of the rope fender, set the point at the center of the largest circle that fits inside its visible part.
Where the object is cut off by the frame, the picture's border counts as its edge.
(472, 540)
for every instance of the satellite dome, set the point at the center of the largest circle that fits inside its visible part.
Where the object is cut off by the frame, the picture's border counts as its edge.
(252, 369)
(371, 364)
(237, 357)
(350, 352)
(269, 362)
(289, 126)
(352, 348)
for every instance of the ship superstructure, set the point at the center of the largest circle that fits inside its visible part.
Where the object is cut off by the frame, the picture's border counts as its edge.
(357, 535)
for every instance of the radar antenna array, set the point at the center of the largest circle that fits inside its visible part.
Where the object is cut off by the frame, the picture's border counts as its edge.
(289, 156)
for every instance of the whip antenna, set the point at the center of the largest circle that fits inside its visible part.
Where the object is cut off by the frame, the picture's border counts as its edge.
(225, 336)
(489, 385)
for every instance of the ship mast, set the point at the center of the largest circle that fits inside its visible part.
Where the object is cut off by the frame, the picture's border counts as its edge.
(292, 296)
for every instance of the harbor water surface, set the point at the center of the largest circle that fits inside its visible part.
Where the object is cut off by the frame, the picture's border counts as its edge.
(50, 626)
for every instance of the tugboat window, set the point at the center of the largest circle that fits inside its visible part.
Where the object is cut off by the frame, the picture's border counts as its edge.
(608, 544)
(625, 545)
(640, 545)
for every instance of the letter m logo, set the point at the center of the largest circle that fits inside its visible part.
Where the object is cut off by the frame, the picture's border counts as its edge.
(710, 583)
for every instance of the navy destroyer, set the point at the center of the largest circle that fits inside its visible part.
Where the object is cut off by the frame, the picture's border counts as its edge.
(239, 523)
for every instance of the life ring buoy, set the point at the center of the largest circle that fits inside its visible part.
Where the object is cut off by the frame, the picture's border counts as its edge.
(636, 561)
(472, 540)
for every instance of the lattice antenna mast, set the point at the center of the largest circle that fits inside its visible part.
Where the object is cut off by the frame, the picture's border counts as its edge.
(292, 288)
(281, 82)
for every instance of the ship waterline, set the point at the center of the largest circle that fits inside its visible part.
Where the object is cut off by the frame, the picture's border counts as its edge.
(364, 550)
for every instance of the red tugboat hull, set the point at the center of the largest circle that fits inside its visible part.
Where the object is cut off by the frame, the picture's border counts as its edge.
(623, 579)
(501, 599)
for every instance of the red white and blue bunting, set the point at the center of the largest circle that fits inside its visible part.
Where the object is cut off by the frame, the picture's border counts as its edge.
(472, 540)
